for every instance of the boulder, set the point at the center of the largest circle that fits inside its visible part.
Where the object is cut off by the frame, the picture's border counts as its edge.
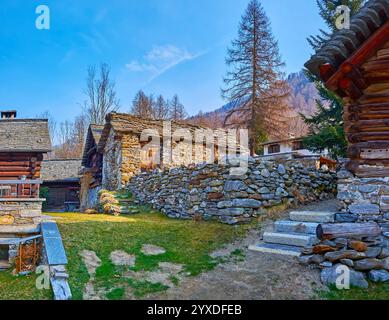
(379, 275)
(384, 253)
(246, 203)
(358, 246)
(347, 262)
(329, 276)
(347, 254)
(373, 252)
(368, 264)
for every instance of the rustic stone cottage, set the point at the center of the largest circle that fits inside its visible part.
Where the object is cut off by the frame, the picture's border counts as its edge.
(127, 145)
(23, 143)
(62, 180)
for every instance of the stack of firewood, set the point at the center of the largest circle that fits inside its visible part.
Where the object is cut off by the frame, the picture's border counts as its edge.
(358, 246)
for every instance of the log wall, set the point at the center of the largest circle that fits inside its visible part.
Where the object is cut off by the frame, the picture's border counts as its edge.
(15, 165)
(367, 117)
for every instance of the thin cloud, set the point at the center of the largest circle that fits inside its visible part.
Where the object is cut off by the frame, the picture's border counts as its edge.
(161, 59)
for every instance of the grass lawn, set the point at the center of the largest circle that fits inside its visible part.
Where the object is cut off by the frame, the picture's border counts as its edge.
(186, 242)
(374, 292)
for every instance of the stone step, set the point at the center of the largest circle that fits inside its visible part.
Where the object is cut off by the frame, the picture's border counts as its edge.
(312, 216)
(298, 240)
(276, 249)
(4, 265)
(285, 226)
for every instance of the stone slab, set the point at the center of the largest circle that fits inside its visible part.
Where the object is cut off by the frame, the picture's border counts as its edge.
(53, 244)
(295, 227)
(298, 240)
(312, 216)
(276, 249)
(22, 229)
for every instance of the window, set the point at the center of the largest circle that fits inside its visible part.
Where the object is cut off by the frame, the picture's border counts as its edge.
(274, 148)
(297, 145)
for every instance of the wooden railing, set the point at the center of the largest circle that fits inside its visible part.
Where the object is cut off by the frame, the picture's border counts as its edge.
(23, 189)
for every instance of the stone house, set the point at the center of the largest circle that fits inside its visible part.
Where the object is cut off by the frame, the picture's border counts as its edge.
(23, 144)
(127, 145)
(62, 179)
(288, 148)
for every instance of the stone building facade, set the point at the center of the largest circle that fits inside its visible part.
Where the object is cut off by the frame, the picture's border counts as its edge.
(130, 145)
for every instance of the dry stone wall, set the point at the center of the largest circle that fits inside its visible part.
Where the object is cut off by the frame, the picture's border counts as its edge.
(364, 199)
(210, 192)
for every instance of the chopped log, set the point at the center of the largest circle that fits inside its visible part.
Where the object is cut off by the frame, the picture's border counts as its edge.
(331, 231)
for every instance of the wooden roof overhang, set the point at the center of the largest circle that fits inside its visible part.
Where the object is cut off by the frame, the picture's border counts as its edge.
(355, 64)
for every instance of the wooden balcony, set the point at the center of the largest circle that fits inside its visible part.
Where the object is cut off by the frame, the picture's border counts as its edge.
(19, 189)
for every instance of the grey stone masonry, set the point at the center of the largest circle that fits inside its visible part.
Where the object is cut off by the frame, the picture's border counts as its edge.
(365, 198)
(210, 192)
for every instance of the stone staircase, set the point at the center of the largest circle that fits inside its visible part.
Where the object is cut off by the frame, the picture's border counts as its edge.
(288, 237)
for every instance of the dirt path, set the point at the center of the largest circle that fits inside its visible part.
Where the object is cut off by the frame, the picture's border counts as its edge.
(259, 276)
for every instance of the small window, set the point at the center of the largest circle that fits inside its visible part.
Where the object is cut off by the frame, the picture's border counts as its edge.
(297, 145)
(274, 148)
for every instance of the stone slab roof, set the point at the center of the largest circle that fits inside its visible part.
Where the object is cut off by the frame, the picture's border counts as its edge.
(126, 123)
(24, 135)
(344, 43)
(92, 140)
(60, 170)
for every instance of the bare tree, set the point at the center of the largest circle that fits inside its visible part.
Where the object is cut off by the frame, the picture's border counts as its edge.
(101, 94)
(161, 108)
(142, 106)
(177, 110)
(254, 79)
(51, 122)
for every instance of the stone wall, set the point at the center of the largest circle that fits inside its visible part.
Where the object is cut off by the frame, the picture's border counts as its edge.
(112, 163)
(131, 157)
(210, 192)
(366, 199)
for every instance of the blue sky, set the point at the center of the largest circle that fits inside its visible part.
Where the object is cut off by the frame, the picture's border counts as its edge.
(159, 46)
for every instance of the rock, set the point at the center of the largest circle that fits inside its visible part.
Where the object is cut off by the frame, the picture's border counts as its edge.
(364, 208)
(231, 211)
(121, 258)
(329, 276)
(224, 204)
(373, 252)
(368, 264)
(386, 263)
(358, 246)
(91, 211)
(91, 261)
(281, 169)
(307, 250)
(152, 250)
(347, 262)
(379, 275)
(305, 260)
(347, 254)
(265, 173)
(264, 190)
(341, 242)
(326, 264)
(246, 203)
(317, 259)
(346, 217)
(384, 253)
(321, 249)
(234, 185)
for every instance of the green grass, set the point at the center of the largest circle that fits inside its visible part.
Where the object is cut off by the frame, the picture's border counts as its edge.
(21, 288)
(374, 292)
(186, 242)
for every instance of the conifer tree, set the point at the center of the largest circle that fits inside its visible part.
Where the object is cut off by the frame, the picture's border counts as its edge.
(326, 125)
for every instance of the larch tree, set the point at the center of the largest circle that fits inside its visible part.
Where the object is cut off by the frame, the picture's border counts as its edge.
(101, 94)
(255, 79)
(326, 129)
(177, 109)
(142, 106)
(161, 108)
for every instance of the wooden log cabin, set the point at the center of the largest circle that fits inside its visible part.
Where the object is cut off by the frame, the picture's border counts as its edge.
(354, 63)
(23, 143)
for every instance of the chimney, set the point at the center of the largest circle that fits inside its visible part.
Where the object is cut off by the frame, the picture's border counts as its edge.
(10, 114)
